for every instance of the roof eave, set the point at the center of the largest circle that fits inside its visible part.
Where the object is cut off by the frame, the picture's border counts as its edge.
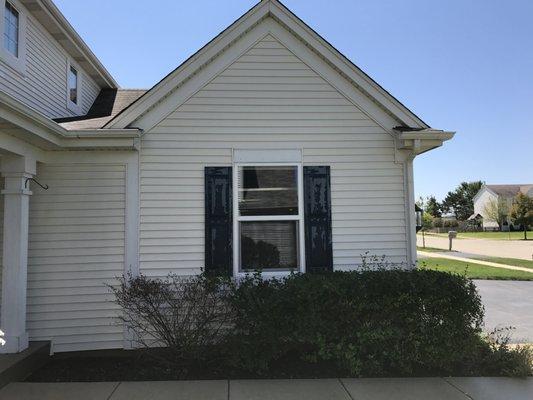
(424, 140)
(47, 13)
(46, 134)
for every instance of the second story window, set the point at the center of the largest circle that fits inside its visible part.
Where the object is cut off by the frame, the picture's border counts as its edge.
(11, 29)
(73, 84)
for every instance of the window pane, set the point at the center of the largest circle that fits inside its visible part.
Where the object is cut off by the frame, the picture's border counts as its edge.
(73, 85)
(268, 190)
(269, 245)
(11, 29)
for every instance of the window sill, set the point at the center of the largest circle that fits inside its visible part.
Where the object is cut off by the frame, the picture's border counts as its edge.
(75, 108)
(16, 64)
(268, 274)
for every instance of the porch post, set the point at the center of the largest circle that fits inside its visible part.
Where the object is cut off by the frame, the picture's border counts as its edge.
(15, 251)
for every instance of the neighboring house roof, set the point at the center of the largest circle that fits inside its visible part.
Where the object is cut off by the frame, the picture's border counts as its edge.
(107, 104)
(282, 15)
(509, 190)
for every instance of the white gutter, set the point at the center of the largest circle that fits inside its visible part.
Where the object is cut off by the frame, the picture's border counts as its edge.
(46, 131)
(423, 140)
(427, 134)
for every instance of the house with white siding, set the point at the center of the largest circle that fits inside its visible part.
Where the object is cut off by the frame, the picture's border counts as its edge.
(490, 195)
(267, 149)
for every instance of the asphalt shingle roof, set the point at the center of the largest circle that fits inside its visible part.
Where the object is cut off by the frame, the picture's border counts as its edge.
(107, 104)
(509, 190)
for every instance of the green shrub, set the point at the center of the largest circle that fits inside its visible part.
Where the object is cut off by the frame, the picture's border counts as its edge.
(370, 323)
(437, 222)
(374, 322)
(450, 224)
(185, 316)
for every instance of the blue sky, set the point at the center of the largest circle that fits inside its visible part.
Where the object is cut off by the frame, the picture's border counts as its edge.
(460, 65)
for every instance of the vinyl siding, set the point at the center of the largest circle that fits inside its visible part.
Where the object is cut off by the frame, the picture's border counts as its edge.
(43, 86)
(76, 247)
(269, 99)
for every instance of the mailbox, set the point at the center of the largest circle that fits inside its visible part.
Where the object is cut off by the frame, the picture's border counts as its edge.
(451, 235)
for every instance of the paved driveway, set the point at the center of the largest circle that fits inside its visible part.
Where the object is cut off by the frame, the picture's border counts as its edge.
(494, 248)
(508, 303)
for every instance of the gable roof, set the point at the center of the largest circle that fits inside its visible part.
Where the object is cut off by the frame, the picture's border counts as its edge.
(107, 104)
(283, 16)
(509, 190)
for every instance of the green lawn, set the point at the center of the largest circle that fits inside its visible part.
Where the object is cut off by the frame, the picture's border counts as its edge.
(474, 271)
(432, 249)
(509, 261)
(489, 235)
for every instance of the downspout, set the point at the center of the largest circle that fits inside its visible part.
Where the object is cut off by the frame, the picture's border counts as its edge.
(410, 211)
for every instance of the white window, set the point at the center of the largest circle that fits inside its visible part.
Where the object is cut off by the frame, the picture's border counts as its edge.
(73, 84)
(268, 223)
(11, 29)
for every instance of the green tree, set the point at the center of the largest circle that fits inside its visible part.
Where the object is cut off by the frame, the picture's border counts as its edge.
(522, 211)
(427, 221)
(496, 210)
(460, 202)
(433, 207)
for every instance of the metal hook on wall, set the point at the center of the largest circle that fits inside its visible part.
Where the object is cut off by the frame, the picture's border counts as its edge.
(45, 187)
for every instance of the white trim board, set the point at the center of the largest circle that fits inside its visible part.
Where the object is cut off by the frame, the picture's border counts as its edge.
(267, 156)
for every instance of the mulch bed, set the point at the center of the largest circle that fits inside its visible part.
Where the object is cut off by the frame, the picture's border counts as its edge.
(133, 365)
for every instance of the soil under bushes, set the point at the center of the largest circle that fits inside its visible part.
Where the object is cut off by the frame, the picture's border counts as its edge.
(136, 365)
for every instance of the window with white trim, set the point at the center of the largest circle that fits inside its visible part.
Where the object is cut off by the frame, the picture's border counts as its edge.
(11, 29)
(268, 225)
(73, 84)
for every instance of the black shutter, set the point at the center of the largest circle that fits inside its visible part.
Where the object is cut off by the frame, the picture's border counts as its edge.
(218, 221)
(317, 208)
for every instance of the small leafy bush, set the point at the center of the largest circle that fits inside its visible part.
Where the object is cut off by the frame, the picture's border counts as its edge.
(187, 315)
(451, 224)
(437, 222)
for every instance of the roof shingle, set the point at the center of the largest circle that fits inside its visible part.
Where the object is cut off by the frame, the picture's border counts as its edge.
(509, 190)
(107, 104)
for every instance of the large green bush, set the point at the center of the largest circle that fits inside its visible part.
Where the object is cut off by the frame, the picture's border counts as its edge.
(369, 323)
(362, 323)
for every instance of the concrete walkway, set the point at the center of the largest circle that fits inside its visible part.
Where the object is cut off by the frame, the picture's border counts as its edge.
(484, 247)
(472, 261)
(297, 389)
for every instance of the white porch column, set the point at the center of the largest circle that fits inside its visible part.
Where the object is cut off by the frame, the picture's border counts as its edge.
(15, 251)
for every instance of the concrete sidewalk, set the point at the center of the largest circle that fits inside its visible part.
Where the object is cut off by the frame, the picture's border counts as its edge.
(304, 389)
(521, 249)
(472, 261)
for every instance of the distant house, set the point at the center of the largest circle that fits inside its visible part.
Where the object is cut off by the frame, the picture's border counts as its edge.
(495, 192)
